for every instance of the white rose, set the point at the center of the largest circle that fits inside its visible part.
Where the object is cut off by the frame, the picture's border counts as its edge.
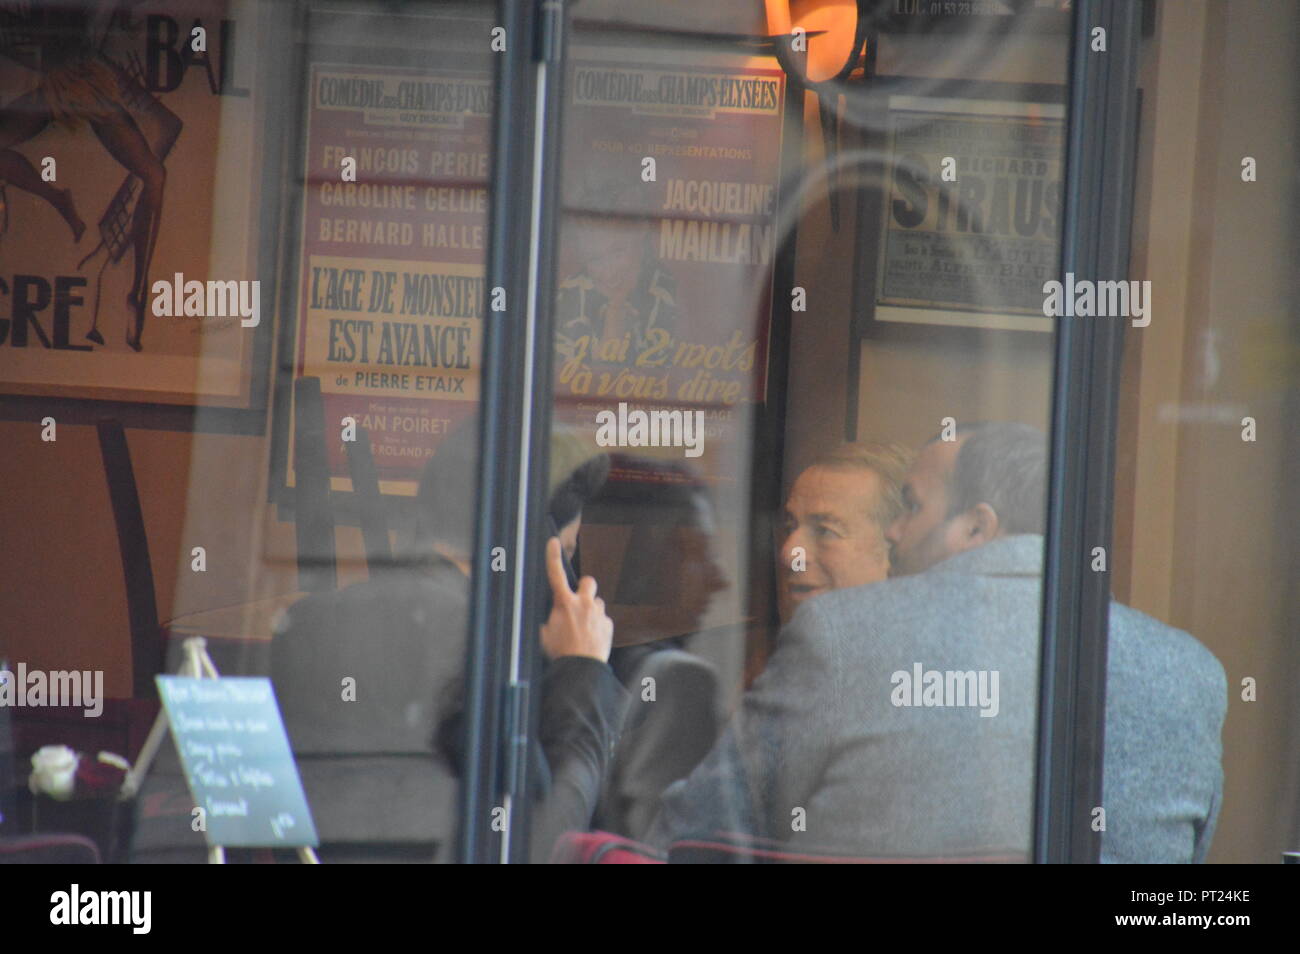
(54, 771)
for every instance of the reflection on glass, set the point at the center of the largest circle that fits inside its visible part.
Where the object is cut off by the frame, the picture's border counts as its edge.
(803, 355)
(1205, 516)
(894, 714)
(379, 301)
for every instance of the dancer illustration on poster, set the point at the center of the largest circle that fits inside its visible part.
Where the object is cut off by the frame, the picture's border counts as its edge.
(620, 288)
(80, 85)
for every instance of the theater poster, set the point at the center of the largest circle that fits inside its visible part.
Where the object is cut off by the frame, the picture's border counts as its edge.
(129, 198)
(972, 218)
(392, 244)
(669, 229)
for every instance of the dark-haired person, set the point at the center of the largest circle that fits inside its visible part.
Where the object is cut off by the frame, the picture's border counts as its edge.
(836, 750)
(668, 583)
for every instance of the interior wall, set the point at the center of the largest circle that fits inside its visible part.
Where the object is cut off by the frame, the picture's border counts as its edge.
(63, 600)
(909, 387)
(1228, 563)
(1205, 524)
(1170, 78)
(818, 360)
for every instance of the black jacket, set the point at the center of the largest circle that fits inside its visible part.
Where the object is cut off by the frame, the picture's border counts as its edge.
(581, 712)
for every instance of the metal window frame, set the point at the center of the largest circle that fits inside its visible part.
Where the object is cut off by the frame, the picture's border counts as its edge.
(1100, 148)
(514, 451)
(514, 431)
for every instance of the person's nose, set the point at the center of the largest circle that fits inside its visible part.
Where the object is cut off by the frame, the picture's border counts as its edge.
(894, 532)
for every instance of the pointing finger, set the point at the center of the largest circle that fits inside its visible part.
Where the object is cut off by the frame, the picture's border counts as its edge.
(555, 570)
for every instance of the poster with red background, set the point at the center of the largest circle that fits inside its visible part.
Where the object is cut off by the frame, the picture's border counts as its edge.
(393, 239)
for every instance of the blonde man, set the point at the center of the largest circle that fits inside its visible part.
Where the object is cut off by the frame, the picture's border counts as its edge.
(834, 521)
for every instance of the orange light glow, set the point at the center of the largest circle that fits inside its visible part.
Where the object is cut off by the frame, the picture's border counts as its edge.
(830, 27)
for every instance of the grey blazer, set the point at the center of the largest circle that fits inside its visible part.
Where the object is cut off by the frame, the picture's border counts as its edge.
(823, 754)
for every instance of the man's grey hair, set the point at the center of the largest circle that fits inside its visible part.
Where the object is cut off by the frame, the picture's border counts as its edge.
(887, 461)
(1002, 464)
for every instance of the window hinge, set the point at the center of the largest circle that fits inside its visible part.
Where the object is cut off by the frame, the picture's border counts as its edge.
(550, 29)
(517, 736)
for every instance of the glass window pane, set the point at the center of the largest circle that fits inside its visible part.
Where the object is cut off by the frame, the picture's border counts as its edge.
(258, 247)
(806, 305)
(1205, 517)
(750, 276)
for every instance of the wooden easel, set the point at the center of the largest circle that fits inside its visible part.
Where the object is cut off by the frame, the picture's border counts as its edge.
(197, 664)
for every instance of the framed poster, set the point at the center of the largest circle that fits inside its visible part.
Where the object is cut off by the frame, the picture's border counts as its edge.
(986, 16)
(674, 232)
(952, 16)
(669, 234)
(131, 230)
(964, 228)
(389, 238)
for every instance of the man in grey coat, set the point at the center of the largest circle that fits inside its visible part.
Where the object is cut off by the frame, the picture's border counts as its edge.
(897, 719)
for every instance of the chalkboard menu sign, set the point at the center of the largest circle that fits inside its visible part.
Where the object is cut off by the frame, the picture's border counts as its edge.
(237, 761)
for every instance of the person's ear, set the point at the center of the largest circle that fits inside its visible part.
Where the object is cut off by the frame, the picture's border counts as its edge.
(983, 524)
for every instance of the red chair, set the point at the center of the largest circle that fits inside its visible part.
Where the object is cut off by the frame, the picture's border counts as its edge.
(732, 848)
(603, 848)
